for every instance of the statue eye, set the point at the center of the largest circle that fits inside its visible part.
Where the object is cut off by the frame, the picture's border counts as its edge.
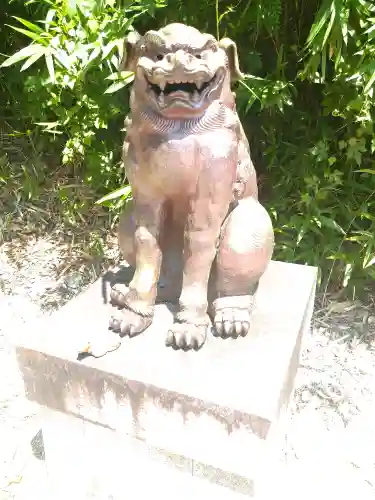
(159, 57)
(198, 56)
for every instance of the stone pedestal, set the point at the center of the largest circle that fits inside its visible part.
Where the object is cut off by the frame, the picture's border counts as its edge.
(146, 419)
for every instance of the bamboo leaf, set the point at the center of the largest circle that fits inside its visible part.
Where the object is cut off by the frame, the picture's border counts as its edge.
(28, 24)
(371, 262)
(108, 48)
(330, 24)
(318, 25)
(324, 64)
(115, 87)
(347, 274)
(34, 36)
(124, 191)
(121, 75)
(49, 127)
(50, 67)
(31, 60)
(369, 83)
(23, 54)
(121, 83)
(94, 54)
(367, 67)
(366, 171)
(332, 224)
(49, 18)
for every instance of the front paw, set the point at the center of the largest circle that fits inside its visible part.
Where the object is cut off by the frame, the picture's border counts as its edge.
(128, 322)
(188, 334)
(231, 322)
(232, 316)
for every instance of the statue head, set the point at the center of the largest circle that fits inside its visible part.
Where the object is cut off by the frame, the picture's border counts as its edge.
(180, 71)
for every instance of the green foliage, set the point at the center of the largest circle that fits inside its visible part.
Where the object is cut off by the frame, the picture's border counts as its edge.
(74, 53)
(307, 104)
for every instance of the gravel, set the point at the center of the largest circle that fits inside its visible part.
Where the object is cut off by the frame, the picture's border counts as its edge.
(30, 288)
(330, 446)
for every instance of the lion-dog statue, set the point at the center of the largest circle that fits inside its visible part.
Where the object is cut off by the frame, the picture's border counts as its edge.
(196, 227)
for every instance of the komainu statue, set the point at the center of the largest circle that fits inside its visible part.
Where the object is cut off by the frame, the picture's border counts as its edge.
(196, 229)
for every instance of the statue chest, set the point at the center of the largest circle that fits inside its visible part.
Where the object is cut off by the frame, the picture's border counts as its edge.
(177, 163)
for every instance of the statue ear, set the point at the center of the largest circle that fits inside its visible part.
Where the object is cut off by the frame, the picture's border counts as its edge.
(130, 52)
(230, 48)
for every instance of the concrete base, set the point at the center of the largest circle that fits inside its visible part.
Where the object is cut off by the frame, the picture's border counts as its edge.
(87, 461)
(116, 425)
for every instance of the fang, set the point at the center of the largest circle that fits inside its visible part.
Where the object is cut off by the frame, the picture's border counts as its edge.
(199, 84)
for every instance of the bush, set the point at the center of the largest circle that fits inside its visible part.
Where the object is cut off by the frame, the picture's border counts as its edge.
(306, 103)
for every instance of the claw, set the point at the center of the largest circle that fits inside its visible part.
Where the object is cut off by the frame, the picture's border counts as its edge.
(245, 328)
(238, 327)
(227, 327)
(219, 328)
(169, 338)
(114, 324)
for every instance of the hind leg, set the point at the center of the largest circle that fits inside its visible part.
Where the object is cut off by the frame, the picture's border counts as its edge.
(139, 299)
(246, 247)
(126, 230)
(171, 268)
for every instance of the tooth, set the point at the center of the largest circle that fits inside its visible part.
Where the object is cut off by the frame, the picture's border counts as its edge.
(199, 83)
(161, 98)
(195, 96)
(162, 85)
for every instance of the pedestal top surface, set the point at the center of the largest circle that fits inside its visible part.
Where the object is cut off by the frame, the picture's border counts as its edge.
(234, 373)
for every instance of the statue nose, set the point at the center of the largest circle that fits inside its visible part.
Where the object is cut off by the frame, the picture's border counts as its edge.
(179, 59)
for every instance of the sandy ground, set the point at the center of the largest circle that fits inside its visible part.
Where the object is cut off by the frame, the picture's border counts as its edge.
(329, 451)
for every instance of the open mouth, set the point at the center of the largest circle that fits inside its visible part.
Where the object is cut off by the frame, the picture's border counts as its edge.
(191, 90)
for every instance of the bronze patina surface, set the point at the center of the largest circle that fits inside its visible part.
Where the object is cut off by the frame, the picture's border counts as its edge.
(195, 221)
